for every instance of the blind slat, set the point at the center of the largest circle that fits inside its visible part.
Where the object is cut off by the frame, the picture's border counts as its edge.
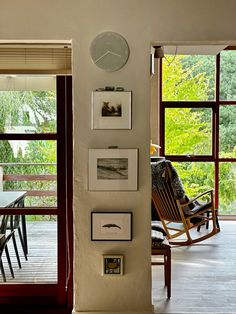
(35, 60)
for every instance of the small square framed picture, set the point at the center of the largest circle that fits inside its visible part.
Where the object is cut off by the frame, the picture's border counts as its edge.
(111, 226)
(113, 169)
(111, 110)
(112, 265)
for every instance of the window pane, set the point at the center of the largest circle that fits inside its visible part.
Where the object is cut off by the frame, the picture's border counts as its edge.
(227, 188)
(25, 110)
(188, 77)
(41, 266)
(188, 131)
(196, 177)
(30, 166)
(227, 131)
(228, 75)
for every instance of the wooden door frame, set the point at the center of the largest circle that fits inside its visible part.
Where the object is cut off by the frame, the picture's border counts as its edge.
(55, 296)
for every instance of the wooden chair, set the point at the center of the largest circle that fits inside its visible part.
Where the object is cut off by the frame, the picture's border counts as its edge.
(173, 217)
(161, 247)
(3, 246)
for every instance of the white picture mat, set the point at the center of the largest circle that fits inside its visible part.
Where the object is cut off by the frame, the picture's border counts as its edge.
(96, 184)
(119, 226)
(114, 98)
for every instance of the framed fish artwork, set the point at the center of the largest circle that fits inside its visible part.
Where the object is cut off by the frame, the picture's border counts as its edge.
(111, 226)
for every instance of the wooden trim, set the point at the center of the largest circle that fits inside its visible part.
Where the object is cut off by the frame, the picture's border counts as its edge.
(29, 290)
(61, 184)
(69, 191)
(30, 211)
(41, 193)
(28, 137)
(29, 177)
(189, 104)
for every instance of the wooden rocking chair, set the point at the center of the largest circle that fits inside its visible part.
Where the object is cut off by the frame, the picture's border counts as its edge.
(172, 213)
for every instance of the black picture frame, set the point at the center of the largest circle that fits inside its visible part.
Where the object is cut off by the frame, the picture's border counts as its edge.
(111, 226)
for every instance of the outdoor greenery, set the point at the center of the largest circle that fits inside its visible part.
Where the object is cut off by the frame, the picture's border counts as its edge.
(29, 112)
(188, 130)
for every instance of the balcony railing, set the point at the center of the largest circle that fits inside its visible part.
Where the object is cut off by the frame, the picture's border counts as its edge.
(12, 176)
(41, 189)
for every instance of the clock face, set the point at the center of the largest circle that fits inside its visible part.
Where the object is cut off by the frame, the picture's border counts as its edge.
(109, 51)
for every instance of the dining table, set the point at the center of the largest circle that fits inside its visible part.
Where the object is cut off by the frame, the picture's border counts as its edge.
(9, 199)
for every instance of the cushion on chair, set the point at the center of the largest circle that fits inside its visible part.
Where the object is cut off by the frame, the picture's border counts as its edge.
(159, 240)
(196, 206)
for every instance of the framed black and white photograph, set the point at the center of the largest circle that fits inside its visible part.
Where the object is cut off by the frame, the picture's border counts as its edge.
(113, 169)
(111, 226)
(112, 265)
(111, 110)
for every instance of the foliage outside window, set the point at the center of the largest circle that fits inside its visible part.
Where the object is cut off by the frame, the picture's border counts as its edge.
(188, 130)
(29, 112)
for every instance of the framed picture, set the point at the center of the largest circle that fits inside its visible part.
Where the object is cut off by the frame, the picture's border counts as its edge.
(112, 265)
(111, 110)
(111, 226)
(113, 169)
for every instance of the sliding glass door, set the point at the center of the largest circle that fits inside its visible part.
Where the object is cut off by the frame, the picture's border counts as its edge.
(36, 160)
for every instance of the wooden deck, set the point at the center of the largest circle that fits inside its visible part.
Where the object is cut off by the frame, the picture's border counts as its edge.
(41, 266)
(203, 276)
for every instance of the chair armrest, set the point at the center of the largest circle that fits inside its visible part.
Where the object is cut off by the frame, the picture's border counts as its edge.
(198, 196)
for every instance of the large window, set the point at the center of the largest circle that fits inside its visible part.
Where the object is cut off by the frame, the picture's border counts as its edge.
(198, 122)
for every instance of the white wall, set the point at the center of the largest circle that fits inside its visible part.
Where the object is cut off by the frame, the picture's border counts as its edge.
(140, 22)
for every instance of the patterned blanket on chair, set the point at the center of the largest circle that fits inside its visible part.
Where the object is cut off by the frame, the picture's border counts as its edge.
(159, 173)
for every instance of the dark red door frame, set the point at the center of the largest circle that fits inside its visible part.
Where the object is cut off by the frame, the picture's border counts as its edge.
(215, 106)
(60, 294)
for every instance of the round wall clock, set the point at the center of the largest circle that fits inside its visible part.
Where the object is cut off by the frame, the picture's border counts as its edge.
(109, 51)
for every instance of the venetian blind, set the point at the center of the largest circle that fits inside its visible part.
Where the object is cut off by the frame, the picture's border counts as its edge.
(35, 59)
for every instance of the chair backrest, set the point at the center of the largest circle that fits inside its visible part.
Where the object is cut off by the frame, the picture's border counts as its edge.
(165, 200)
(165, 203)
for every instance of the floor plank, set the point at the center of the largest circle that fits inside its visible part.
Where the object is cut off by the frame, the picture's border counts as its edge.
(203, 276)
(41, 266)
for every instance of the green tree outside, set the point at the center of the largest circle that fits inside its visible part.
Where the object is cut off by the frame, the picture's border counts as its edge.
(188, 130)
(29, 111)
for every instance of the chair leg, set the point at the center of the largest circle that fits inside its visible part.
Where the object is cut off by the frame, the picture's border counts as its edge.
(9, 261)
(207, 224)
(16, 249)
(22, 244)
(217, 221)
(168, 273)
(2, 271)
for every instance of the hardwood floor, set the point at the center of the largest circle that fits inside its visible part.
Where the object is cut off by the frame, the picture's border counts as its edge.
(41, 266)
(203, 276)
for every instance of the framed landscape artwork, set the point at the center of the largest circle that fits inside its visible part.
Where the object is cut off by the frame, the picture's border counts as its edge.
(111, 110)
(113, 169)
(111, 226)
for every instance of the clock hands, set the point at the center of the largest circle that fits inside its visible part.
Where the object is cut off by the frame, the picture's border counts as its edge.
(107, 53)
